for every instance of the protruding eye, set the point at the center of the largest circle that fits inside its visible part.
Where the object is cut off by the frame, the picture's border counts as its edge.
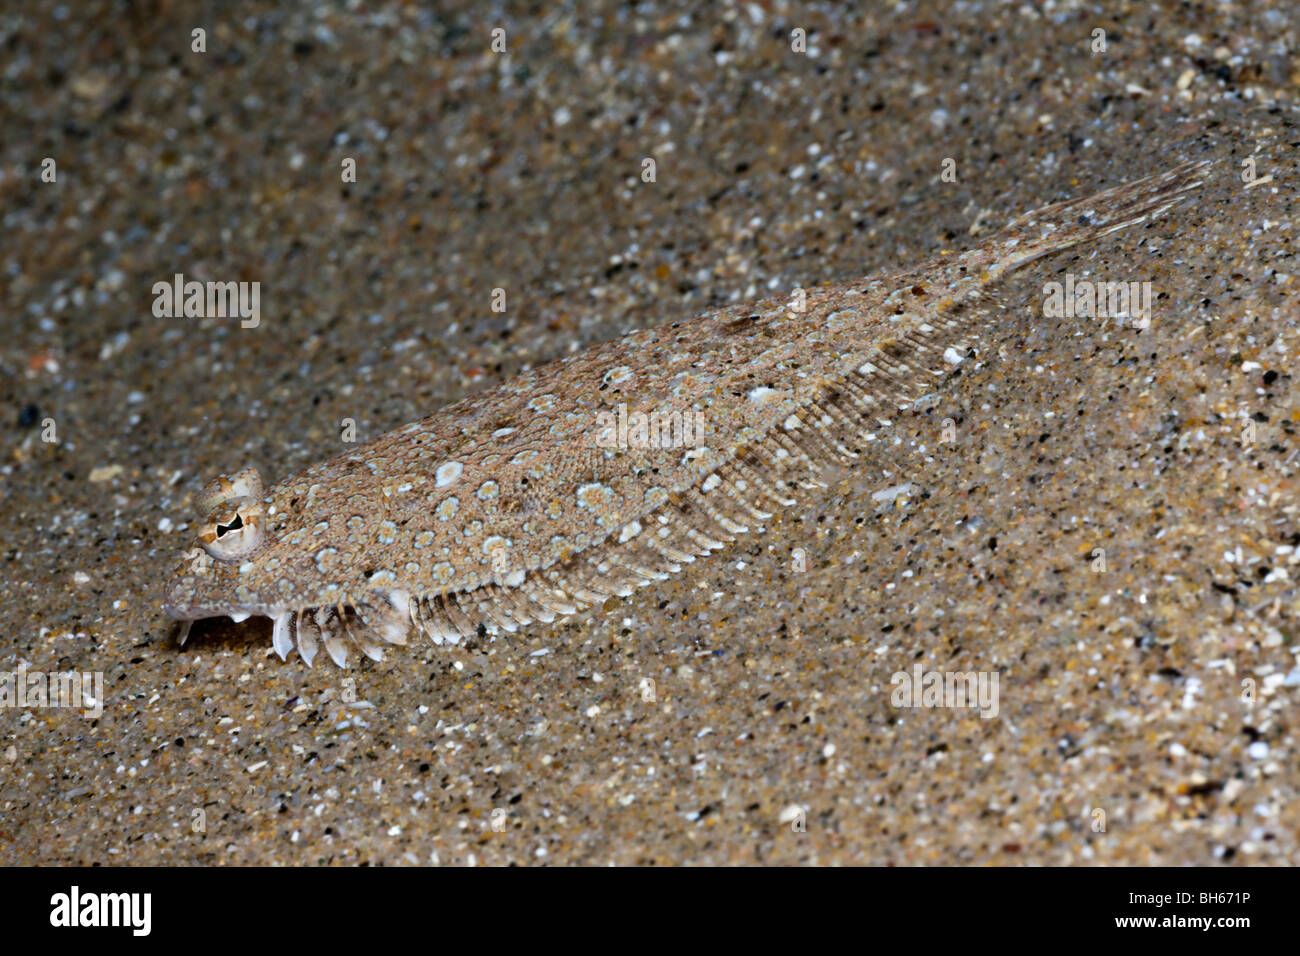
(233, 531)
(224, 488)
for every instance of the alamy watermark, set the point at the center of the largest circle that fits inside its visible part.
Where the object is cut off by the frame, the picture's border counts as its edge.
(655, 429)
(208, 300)
(133, 911)
(27, 689)
(1088, 299)
(953, 689)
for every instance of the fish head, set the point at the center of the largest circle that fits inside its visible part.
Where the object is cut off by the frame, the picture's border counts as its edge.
(248, 559)
(232, 534)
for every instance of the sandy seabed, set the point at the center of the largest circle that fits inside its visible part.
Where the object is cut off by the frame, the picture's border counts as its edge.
(1110, 528)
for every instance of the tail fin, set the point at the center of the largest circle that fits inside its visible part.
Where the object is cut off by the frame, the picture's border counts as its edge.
(972, 300)
(1069, 223)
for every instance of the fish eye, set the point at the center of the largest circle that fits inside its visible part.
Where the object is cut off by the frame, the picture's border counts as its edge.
(233, 531)
(228, 488)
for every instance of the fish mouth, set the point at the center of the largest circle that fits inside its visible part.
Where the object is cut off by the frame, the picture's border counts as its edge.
(188, 614)
(185, 618)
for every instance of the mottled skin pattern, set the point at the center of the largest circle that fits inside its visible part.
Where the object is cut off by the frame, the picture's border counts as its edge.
(502, 509)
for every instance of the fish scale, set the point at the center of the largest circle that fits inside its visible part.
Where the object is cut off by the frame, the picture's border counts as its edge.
(504, 510)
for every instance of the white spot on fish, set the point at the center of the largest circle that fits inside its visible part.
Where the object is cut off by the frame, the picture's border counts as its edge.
(594, 496)
(447, 473)
(620, 373)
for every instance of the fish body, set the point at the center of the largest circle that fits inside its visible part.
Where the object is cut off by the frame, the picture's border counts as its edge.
(602, 472)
